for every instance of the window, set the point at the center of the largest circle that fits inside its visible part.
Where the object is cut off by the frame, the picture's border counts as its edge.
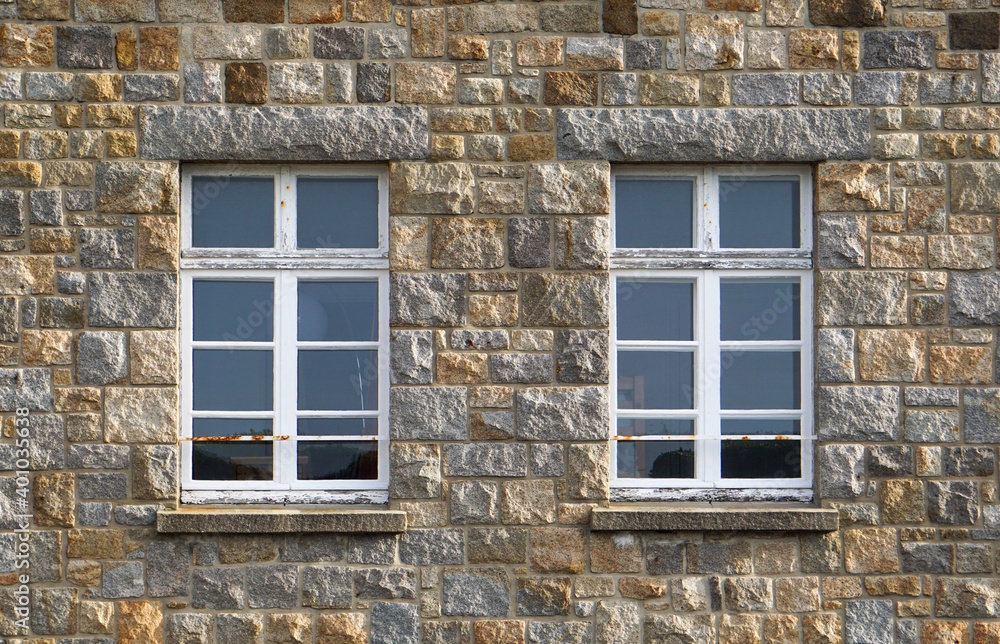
(285, 324)
(711, 333)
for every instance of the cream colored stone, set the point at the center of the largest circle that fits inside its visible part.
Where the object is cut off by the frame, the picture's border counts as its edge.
(432, 83)
(147, 415)
(493, 310)
(660, 23)
(462, 368)
(46, 347)
(961, 365)
(889, 355)
(853, 187)
(528, 502)
(668, 89)
(96, 617)
(54, 499)
(341, 628)
(713, 41)
(871, 550)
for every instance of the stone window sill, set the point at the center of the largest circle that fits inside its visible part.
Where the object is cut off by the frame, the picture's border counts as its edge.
(207, 520)
(715, 518)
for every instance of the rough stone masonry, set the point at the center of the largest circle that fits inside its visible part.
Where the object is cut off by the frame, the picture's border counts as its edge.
(499, 122)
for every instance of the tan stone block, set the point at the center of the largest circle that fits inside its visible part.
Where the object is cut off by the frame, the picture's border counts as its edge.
(110, 116)
(668, 89)
(797, 594)
(496, 631)
(558, 550)
(785, 13)
(341, 628)
(914, 608)
(944, 146)
(493, 310)
(468, 47)
(465, 368)
(153, 357)
(127, 49)
(98, 88)
(140, 622)
(944, 633)
(447, 146)
(425, 514)
(463, 242)
(315, 11)
(492, 396)
(408, 243)
(528, 502)
(146, 415)
(813, 49)
(159, 48)
(740, 629)
(970, 224)
(889, 355)
(461, 119)
(897, 252)
(20, 174)
(571, 88)
(87, 543)
(734, 5)
(851, 51)
(588, 587)
(246, 83)
(961, 365)
(77, 174)
(781, 629)
(46, 347)
(852, 187)
(10, 144)
(27, 45)
(902, 501)
(54, 499)
(83, 572)
(907, 585)
(96, 617)
(986, 633)
(642, 587)
(961, 252)
(501, 198)
(531, 147)
(53, 240)
(716, 88)
(870, 550)
(660, 23)
(158, 241)
(247, 549)
(984, 146)
(432, 83)
(821, 628)
(713, 42)
(77, 399)
(121, 143)
(775, 557)
(615, 552)
(925, 209)
(841, 587)
(368, 10)
(427, 33)
(26, 275)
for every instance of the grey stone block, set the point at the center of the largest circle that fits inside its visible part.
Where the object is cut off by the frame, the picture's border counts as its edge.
(104, 485)
(374, 83)
(388, 43)
(372, 549)
(547, 459)
(565, 633)
(187, 628)
(907, 631)
(29, 312)
(79, 200)
(235, 628)
(45, 555)
(414, 471)
(46, 207)
(102, 357)
(411, 359)
(521, 368)
(427, 299)
(393, 623)
(476, 339)
(202, 82)
(973, 558)
(826, 88)
(890, 460)
(168, 567)
(528, 242)
(432, 547)
(486, 459)
(765, 89)
(476, 592)
(858, 413)
(428, 413)
(868, 621)
(969, 461)
(869, 298)
(82, 47)
(71, 283)
(975, 299)
(136, 514)
(98, 457)
(981, 422)
(582, 356)
(885, 88)
(543, 596)
(643, 53)
(292, 133)
(46, 442)
(273, 586)
(841, 241)
(523, 91)
(621, 89)
(61, 312)
(13, 213)
(930, 396)
(696, 135)
(93, 514)
(53, 610)
(551, 413)
(582, 242)
(931, 427)
(928, 558)
(385, 583)
(841, 471)
(235, 522)
(339, 42)
(327, 587)
(835, 355)
(8, 320)
(339, 83)
(953, 502)
(219, 588)
(133, 300)
(475, 502)
(123, 581)
(313, 547)
(151, 87)
(883, 49)
(48, 86)
(936, 88)
(31, 388)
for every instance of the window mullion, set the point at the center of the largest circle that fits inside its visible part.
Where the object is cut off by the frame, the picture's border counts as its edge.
(613, 366)
(288, 360)
(286, 211)
(712, 376)
(708, 211)
(383, 380)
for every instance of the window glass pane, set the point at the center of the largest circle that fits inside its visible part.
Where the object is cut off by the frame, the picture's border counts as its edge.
(338, 311)
(654, 213)
(340, 380)
(337, 212)
(760, 380)
(655, 310)
(761, 426)
(338, 426)
(760, 309)
(232, 212)
(655, 427)
(231, 426)
(656, 459)
(238, 461)
(325, 460)
(761, 459)
(233, 311)
(655, 379)
(758, 213)
(230, 380)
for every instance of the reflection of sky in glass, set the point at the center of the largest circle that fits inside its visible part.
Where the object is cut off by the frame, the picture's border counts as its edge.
(654, 310)
(338, 311)
(760, 380)
(232, 212)
(337, 212)
(755, 213)
(234, 311)
(654, 213)
(761, 309)
(338, 380)
(655, 379)
(230, 380)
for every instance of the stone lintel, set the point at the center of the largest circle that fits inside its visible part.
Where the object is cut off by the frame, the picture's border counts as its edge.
(216, 133)
(713, 135)
(278, 521)
(720, 518)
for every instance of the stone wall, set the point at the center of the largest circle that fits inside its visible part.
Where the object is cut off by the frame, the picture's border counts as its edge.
(499, 309)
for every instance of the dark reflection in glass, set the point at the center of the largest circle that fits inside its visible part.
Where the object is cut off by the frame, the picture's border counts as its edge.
(761, 459)
(760, 380)
(654, 213)
(339, 380)
(232, 212)
(759, 213)
(655, 379)
(231, 426)
(337, 212)
(655, 310)
(655, 427)
(759, 309)
(231, 380)
(761, 427)
(237, 461)
(338, 311)
(233, 311)
(326, 460)
(338, 426)
(656, 459)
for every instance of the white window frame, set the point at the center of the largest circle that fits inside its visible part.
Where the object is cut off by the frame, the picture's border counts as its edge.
(286, 266)
(706, 265)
